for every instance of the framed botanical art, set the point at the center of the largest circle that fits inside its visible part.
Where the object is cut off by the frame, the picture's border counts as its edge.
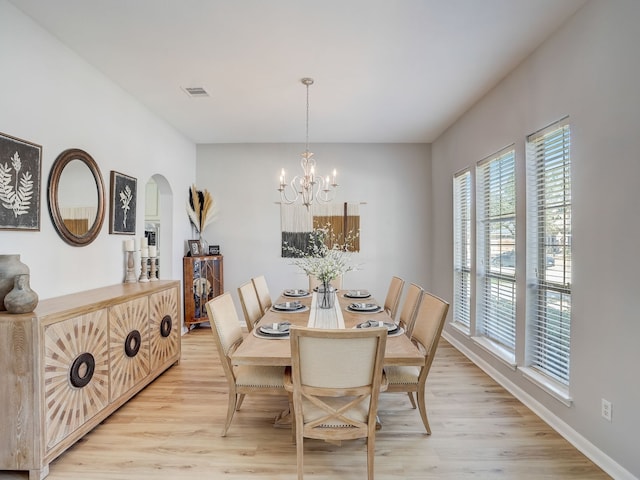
(20, 174)
(122, 204)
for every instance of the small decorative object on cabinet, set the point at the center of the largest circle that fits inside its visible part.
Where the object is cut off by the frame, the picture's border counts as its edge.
(75, 360)
(203, 280)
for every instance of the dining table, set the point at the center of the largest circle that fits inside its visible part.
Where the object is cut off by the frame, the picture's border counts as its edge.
(268, 343)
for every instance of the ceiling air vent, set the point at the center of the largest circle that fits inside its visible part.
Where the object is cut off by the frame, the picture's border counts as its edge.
(195, 91)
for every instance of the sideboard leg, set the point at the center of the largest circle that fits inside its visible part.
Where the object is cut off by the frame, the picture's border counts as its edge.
(39, 474)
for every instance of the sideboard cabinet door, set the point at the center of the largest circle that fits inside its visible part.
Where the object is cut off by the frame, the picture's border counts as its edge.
(76, 373)
(203, 280)
(128, 345)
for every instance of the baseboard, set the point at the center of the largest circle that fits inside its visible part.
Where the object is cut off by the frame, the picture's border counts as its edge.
(593, 453)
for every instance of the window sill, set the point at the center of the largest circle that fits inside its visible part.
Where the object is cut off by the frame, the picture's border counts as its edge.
(556, 390)
(505, 356)
(461, 327)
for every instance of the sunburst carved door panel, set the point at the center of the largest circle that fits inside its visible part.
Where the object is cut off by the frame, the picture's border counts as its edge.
(165, 326)
(76, 373)
(128, 345)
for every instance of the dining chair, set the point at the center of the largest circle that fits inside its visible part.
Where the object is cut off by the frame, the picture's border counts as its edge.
(262, 291)
(392, 301)
(335, 283)
(250, 304)
(330, 402)
(410, 308)
(242, 379)
(426, 335)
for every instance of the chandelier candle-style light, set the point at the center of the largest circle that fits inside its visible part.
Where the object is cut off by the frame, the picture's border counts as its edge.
(309, 186)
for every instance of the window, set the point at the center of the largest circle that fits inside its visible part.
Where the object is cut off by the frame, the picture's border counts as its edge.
(496, 253)
(549, 252)
(462, 248)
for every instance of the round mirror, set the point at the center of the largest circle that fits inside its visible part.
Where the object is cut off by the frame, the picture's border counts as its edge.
(76, 197)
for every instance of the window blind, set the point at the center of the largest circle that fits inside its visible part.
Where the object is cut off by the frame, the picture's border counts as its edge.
(549, 247)
(462, 248)
(496, 253)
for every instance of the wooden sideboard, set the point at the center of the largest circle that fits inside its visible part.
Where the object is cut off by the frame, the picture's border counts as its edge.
(203, 280)
(75, 360)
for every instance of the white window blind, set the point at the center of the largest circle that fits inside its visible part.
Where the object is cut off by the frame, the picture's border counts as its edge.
(496, 253)
(462, 248)
(549, 251)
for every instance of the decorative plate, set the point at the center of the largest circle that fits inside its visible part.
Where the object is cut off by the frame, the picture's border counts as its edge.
(357, 294)
(364, 307)
(296, 293)
(288, 306)
(275, 329)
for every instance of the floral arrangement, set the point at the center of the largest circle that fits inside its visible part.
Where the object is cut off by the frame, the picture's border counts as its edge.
(324, 258)
(201, 209)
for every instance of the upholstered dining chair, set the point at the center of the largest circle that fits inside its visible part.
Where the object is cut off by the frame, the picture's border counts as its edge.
(262, 291)
(331, 402)
(426, 335)
(250, 304)
(335, 283)
(392, 301)
(410, 308)
(242, 379)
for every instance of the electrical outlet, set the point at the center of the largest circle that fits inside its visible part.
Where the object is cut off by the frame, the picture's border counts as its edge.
(606, 409)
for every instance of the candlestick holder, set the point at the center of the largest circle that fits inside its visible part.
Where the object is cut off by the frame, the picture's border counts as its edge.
(144, 276)
(131, 274)
(153, 275)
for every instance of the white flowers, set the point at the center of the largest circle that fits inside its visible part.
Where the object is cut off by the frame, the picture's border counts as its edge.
(17, 199)
(125, 199)
(321, 261)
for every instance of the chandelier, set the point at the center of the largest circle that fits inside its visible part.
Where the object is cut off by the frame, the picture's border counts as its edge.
(308, 186)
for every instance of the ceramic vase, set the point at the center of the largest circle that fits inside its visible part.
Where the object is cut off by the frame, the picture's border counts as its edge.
(10, 266)
(21, 299)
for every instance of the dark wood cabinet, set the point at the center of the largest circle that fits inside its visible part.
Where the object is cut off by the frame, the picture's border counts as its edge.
(202, 281)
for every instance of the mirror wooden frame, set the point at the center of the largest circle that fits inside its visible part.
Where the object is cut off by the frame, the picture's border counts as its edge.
(52, 195)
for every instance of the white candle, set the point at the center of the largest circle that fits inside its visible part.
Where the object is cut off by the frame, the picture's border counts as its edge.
(335, 173)
(144, 242)
(144, 252)
(153, 251)
(129, 245)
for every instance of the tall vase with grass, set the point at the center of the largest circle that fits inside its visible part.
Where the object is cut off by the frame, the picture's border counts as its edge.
(201, 211)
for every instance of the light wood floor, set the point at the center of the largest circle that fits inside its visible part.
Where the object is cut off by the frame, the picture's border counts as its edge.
(171, 431)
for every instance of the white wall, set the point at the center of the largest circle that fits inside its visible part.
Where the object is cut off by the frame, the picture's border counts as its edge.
(393, 180)
(589, 70)
(51, 97)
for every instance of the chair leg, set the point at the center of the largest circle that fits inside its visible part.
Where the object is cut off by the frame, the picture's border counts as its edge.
(241, 398)
(423, 409)
(411, 399)
(231, 409)
(371, 451)
(300, 452)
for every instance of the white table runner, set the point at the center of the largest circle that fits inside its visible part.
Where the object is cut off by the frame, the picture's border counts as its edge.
(325, 317)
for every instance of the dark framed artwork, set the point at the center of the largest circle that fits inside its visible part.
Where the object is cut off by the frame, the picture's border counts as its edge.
(195, 249)
(122, 204)
(20, 175)
(214, 249)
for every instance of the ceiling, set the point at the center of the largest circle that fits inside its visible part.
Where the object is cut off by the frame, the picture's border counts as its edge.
(385, 71)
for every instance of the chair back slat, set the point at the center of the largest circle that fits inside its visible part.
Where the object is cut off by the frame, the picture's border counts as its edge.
(410, 308)
(250, 304)
(262, 291)
(392, 301)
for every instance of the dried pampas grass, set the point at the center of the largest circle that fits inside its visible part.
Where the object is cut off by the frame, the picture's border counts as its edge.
(200, 208)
